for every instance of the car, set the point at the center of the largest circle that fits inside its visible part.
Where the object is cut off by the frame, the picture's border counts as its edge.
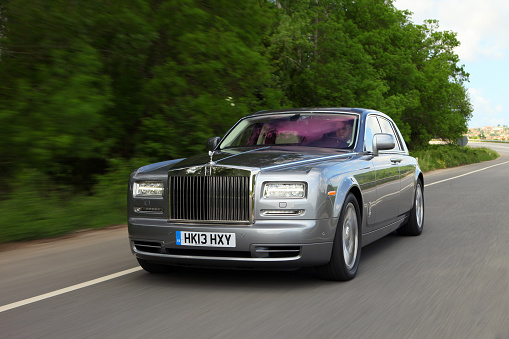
(283, 189)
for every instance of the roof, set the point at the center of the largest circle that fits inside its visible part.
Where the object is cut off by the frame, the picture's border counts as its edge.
(315, 109)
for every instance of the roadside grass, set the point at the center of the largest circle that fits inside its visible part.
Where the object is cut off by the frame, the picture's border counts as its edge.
(37, 208)
(450, 155)
(30, 215)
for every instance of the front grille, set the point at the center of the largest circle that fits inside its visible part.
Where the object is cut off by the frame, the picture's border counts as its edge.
(204, 198)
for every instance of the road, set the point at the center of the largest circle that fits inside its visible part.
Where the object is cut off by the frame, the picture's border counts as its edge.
(451, 282)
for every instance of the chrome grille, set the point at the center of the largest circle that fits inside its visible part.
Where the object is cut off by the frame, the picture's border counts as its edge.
(209, 198)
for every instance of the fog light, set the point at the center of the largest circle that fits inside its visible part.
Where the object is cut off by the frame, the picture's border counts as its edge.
(156, 210)
(282, 212)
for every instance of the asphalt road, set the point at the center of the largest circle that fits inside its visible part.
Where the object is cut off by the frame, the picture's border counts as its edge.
(451, 282)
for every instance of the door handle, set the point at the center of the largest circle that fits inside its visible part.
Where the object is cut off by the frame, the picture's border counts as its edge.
(396, 160)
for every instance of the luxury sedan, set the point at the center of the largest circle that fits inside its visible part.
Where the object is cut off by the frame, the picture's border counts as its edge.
(282, 189)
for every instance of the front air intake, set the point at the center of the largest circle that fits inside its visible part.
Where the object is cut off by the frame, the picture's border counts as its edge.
(209, 198)
(148, 246)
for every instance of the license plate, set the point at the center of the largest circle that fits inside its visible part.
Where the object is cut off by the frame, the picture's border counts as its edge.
(209, 239)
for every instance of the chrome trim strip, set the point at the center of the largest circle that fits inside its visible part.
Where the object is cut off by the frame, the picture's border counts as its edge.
(224, 259)
(283, 212)
(276, 251)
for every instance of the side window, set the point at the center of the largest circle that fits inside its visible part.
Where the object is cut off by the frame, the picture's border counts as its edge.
(372, 128)
(387, 128)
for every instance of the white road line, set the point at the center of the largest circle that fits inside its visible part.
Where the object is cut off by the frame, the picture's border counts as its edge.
(67, 289)
(462, 175)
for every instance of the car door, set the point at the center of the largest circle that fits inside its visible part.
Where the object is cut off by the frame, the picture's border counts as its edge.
(385, 210)
(407, 169)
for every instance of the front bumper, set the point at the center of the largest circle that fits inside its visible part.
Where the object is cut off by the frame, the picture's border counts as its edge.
(264, 244)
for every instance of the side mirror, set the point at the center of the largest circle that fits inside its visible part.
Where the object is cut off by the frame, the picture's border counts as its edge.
(212, 143)
(383, 141)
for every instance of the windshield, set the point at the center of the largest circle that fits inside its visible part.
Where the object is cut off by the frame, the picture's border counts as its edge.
(295, 129)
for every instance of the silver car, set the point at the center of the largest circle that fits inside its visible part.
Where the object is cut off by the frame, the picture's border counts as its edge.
(282, 189)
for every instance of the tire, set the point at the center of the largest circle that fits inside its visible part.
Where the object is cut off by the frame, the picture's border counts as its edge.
(154, 268)
(346, 250)
(416, 219)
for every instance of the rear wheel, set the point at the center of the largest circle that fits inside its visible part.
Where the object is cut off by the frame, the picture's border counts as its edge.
(346, 250)
(154, 268)
(416, 219)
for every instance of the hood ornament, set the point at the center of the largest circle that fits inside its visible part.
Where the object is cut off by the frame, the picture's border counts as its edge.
(209, 165)
(211, 162)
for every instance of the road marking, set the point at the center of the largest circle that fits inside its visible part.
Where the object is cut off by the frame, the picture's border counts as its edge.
(67, 289)
(462, 175)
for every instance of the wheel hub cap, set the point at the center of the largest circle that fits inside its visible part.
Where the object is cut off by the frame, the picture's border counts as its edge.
(350, 238)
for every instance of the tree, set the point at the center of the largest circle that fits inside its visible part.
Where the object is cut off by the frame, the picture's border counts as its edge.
(204, 75)
(444, 104)
(54, 91)
(85, 82)
(369, 54)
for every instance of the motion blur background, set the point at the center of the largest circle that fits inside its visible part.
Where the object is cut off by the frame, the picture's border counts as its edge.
(91, 90)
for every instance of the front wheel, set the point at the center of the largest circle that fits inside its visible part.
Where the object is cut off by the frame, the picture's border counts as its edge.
(416, 219)
(346, 250)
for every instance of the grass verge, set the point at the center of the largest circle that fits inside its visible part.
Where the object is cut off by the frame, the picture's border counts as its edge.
(443, 156)
(36, 208)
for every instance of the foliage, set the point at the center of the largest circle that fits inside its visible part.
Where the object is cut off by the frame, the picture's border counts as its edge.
(36, 209)
(88, 81)
(206, 70)
(366, 53)
(435, 157)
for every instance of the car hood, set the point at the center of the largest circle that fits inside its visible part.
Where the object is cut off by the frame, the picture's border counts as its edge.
(264, 158)
(261, 158)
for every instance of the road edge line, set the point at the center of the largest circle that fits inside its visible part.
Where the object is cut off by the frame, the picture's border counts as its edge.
(462, 175)
(67, 289)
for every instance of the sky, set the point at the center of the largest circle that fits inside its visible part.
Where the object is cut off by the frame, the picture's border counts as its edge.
(482, 27)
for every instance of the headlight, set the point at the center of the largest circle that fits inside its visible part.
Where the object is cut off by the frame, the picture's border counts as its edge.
(148, 188)
(276, 190)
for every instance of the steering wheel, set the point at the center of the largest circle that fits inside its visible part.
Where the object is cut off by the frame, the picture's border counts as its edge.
(340, 142)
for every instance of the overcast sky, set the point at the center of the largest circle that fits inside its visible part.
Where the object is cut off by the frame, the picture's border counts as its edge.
(483, 30)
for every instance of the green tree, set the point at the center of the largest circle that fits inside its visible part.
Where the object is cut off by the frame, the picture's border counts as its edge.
(89, 81)
(369, 54)
(53, 93)
(444, 104)
(208, 70)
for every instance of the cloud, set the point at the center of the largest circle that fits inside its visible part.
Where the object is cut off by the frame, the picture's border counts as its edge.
(482, 26)
(486, 113)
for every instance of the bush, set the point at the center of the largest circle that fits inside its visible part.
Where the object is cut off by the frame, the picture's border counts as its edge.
(450, 155)
(36, 208)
